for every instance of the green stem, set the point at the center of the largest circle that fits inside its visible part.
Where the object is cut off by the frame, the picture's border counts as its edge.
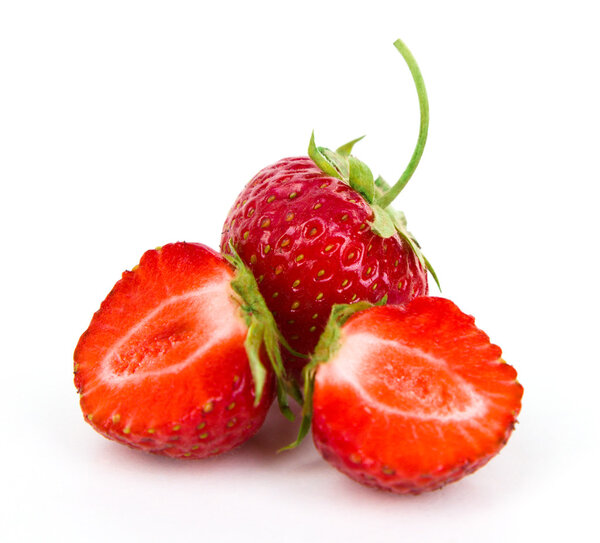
(388, 197)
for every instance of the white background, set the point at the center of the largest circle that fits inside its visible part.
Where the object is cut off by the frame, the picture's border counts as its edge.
(126, 125)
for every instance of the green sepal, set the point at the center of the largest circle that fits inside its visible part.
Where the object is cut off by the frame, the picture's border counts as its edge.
(328, 161)
(361, 179)
(262, 332)
(383, 224)
(327, 346)
(346, 149)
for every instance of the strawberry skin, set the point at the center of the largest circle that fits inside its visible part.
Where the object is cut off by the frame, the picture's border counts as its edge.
(414, 397)
(162, 366)
(307, 238)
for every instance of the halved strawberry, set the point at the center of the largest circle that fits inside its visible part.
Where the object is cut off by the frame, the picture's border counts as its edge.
(170, 363)
(410, 398)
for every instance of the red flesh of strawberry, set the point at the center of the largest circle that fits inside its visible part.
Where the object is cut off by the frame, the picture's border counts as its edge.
(307, 239)
(162, 366)
(416, 397)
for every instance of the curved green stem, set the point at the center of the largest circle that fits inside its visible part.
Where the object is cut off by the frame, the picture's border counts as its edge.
(388, 197)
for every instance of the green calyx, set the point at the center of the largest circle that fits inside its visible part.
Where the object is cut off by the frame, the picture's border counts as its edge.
(262, 334)
(377, 193)
(327, 346)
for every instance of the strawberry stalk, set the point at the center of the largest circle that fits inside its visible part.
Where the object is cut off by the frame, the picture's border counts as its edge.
(262, 333)
(388, 197)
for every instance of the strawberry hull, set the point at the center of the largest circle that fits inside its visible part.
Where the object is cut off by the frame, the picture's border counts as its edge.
(307, 238)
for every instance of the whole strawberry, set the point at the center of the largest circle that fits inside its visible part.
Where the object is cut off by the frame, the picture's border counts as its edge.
(317, 231)
(172, 362)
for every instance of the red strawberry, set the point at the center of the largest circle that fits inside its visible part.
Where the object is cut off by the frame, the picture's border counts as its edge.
(410, 398)
(164, 365)
(316, 232)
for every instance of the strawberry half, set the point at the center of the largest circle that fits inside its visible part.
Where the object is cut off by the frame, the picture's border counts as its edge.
(171, 362)
(408, 399)
(318, 231)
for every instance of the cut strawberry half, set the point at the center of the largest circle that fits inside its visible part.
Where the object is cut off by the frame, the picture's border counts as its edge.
(171, 362)
(410, 398)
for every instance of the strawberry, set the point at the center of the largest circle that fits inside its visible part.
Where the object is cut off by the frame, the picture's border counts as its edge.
(317, 231)
(409, 398)
(171, 362)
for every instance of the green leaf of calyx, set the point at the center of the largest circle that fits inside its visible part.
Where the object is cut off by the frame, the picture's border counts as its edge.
(328, 161)
(383, 224)
(361, 179)
(346, 149)
(262, 331)
(326, 347)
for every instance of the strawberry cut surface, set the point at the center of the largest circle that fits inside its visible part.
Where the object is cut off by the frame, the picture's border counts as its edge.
(414, 398)
(307, 238)
(162, 366)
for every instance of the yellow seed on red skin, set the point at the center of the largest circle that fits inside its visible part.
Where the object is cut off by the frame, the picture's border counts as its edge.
(177, 427)
(265, 223)
(187, 454)
(270, 199)
(296, 305)
(295, 283)
(126, 430)
(312, 328)
(231, 406)
(275, 294)
(328, 248)
(289, 217)
(299, 258)
(317, 206)
(203, 436)
(116, 418)
(387, 470)
(253, 259)
(315, 316)
(208, 407)
(285, 242)
(231, 423)
(293, 195)
(344, 282)
(199, 427)
(355, 458)
(319, 296)
(312, 232)
(324, 185)
(320, 273)
(278, 270)
(246, 234)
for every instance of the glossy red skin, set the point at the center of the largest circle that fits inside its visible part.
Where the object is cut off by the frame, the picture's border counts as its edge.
(282, 225)
(404, 455)
(205, 408)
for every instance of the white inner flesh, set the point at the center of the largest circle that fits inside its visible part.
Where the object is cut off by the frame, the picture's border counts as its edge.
(346, 366)
(216, 313)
